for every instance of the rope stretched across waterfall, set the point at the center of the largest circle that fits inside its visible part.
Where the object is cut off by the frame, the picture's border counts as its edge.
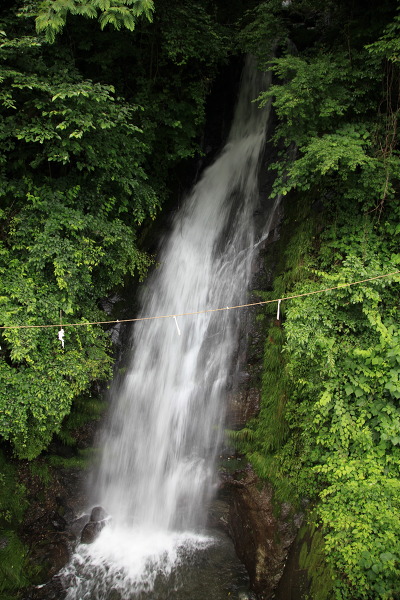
(204, 311)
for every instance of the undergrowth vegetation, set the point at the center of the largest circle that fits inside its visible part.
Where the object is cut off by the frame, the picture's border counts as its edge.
(14, 572)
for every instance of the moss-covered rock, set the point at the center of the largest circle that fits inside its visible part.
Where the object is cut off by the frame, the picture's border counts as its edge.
(306, 575)
(262, 532)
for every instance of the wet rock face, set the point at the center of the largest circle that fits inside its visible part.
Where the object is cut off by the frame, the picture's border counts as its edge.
(262, 538)
(52, 590)
(243, 406)
(51, 527)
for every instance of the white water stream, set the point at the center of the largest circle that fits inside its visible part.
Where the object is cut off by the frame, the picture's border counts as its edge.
(157, 468)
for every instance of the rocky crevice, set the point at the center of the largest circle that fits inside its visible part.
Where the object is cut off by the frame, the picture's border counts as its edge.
(262, 531)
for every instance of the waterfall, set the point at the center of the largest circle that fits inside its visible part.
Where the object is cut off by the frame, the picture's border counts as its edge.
(157, 468)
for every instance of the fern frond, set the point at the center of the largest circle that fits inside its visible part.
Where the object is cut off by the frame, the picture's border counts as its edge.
(242, 435)
(86, 9)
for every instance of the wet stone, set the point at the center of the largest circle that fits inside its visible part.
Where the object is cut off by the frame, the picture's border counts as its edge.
(52, 590)
(91, 531)
(58, 522)
(77, 525)
(98, 514)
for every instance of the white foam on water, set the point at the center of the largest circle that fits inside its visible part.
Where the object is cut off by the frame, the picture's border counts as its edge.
(128, 561)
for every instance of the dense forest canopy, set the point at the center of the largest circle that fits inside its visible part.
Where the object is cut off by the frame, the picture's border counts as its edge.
(101, 101)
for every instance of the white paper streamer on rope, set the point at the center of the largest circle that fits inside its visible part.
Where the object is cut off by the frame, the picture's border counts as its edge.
(177, 326)
(61, 331)
(278, 311)
(61, 336)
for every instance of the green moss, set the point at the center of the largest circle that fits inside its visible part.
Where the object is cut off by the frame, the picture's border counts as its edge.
(40, 469)
(80, 460)
(13, 500)
(14, 573)
(271, 441)
(13, 563)
(231, 465)
(312, 559)
(85, 409)
(268, 442)
(290, 257)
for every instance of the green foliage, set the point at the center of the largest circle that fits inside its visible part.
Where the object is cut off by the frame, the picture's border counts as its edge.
(52, 14)
(334, 132)
(12, 494)
(312, 559)
(263, 22)
(80, 460)
(43, 380)
(87, 408)
(388, 45)
(362, 536)
(13, 554)
(343, 369)
(189, 30)
(329, 420)
(326, 100)
(344, 356)
(13, 564)
(318, 91)
(342, 361)
(39, 468)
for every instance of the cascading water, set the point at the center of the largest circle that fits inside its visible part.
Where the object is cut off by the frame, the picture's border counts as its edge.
(157, 469)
